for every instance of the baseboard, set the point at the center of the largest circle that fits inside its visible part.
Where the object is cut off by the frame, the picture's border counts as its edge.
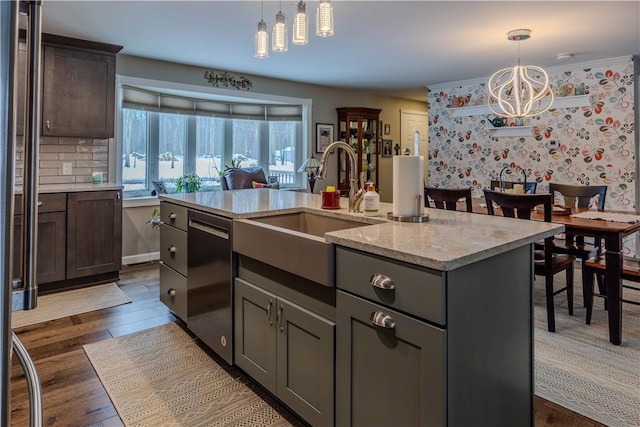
(136, 259)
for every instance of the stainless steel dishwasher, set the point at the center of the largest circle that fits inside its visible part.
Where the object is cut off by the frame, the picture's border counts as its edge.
(210, 273)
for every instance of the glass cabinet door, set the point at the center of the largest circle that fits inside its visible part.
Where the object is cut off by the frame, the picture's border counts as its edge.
(358, 127)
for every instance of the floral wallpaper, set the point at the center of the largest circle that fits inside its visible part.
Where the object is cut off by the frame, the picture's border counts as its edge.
(591, 145)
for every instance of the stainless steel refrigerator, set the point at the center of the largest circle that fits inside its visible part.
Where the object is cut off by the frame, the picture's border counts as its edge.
(22, 293)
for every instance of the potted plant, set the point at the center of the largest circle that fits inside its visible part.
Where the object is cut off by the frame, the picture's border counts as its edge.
(190, 183)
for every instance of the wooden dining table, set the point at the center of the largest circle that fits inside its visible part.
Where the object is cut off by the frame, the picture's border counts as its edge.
(613, 234)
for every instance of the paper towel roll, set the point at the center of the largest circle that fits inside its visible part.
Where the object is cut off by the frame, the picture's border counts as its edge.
(407, 185)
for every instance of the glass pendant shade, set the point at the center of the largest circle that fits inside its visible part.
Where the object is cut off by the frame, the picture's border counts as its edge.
(262, 41)
(520, 91)
(300, 27)
(324, 19)
(279, 42)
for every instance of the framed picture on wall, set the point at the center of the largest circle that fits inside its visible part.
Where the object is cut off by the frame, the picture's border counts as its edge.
(387, 148)
(324, 136)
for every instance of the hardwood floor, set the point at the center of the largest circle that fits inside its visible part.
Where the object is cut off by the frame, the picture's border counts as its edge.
(74, 396)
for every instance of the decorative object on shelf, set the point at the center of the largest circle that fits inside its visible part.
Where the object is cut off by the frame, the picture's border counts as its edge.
(300, 35)
(310, 167)
(387, 147)
(324, 136)
(190, 183)
(262, 37)
(498, 122)
(396, 148)
(279, 42)
(226, 79)
(324, 19)
(520, 91)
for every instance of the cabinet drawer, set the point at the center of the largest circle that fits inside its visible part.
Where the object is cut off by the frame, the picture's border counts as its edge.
(173, 248)
(173, 291)
(416, 290)
(174, 215)
(50, 202)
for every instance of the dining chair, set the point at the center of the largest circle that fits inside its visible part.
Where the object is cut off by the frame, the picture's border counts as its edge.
(596, 266)
(546, 263)
(582, 196)
(447, 198)
(530, 187)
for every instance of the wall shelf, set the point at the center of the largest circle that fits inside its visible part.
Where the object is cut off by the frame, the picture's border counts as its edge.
(558, 102)
(512, 131)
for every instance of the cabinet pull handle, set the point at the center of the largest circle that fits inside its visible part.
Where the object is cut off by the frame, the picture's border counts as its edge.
(172, 249)
(48, 125)
(118, 195)
(279, 318)
(269, 314)
(40, 203)
(381, 281)
(172, 216)
(172, 292)
(383, 320)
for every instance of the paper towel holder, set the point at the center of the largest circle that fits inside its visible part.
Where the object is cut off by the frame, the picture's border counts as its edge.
(424, 217)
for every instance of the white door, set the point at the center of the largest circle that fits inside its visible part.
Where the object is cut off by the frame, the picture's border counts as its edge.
(414, 135)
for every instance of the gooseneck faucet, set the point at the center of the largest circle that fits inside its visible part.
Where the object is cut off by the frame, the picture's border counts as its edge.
(355, 193)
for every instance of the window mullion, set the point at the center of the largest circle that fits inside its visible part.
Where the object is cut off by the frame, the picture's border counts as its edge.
(190, 154)
(154, 149)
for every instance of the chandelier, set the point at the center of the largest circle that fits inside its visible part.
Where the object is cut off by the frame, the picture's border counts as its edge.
(519, 91)
(324, 28)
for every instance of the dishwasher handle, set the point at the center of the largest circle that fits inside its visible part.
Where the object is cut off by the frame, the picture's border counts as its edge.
(209, 229)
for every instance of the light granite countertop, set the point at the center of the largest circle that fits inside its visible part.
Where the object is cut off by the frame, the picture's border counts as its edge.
(73, 188)
(448, 240)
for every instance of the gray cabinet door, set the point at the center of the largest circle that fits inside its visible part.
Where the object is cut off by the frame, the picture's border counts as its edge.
(306, 363)
(387, 376)
(255, 333)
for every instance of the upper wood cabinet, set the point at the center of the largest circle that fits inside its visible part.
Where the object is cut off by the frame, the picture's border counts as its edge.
(78, 92)
(78, 87)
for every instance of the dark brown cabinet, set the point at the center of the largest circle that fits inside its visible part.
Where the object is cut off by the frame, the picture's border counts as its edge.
(52, 226)
(94, 233)
(358, 127)
(78, 92)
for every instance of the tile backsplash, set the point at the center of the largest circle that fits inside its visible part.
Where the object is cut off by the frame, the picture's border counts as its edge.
(67, 160)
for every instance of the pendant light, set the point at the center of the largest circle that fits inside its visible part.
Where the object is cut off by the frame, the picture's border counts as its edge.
(300, 27)
(262, 37)
(279, 42)
(324, 19)
(522, 90)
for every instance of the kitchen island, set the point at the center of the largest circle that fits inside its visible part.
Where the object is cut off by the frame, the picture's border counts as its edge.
(428, 323)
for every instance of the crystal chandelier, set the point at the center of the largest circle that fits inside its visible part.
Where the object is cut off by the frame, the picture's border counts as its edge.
(324, 19)
(519, 91)
(279, 37)
(262, 37)
(300, 27)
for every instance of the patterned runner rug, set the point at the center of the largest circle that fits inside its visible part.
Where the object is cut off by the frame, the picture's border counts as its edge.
(69, 303)
(576, 367)
(160, 376)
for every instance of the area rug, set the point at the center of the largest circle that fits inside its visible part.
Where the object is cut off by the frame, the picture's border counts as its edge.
(577, 368)
(161, 377)
(69, 303)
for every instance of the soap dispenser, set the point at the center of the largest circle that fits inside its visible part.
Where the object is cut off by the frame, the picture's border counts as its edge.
(371, 202)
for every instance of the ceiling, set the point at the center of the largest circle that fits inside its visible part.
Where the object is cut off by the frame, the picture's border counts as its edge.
(399, 46)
